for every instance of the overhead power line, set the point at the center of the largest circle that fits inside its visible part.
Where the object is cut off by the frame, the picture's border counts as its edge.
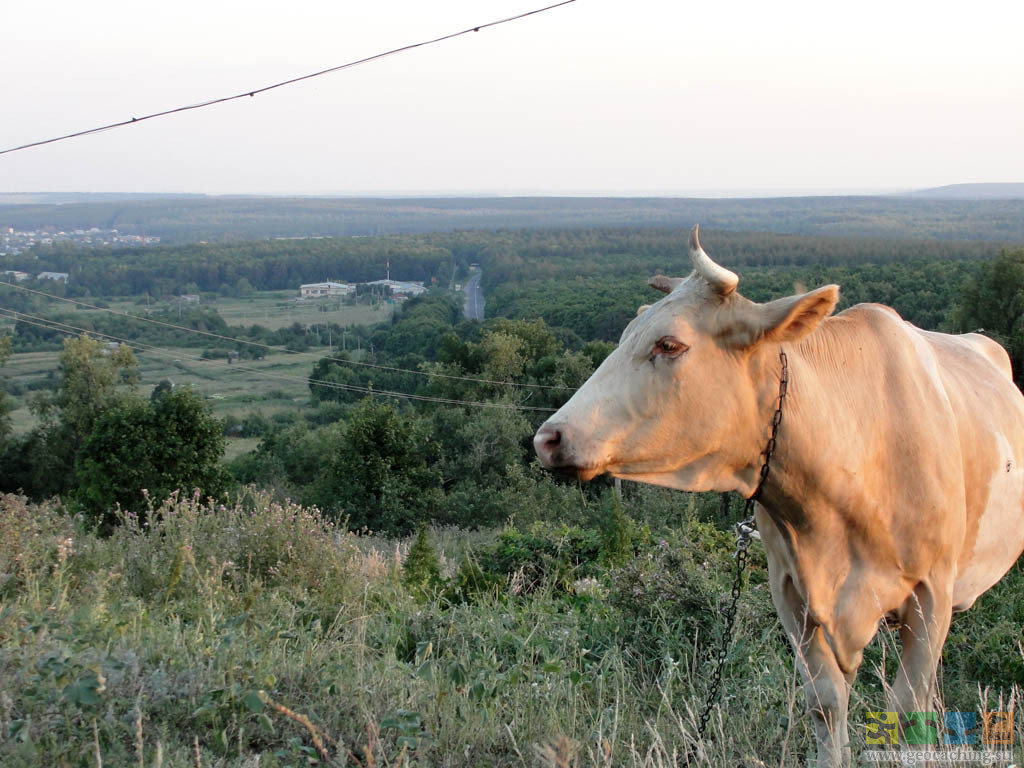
(291, 81)
(72, 330)
(285, 350)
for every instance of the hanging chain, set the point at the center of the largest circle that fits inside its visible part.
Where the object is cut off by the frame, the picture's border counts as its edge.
(744, 534)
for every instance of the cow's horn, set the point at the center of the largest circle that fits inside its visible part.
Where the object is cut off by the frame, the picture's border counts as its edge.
(721, 280)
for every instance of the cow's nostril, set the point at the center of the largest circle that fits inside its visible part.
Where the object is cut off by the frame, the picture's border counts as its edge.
(547, 442)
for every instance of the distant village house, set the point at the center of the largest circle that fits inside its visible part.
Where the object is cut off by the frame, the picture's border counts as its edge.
(15, 275)
(59, 276)
(328, 288)
(400, 288)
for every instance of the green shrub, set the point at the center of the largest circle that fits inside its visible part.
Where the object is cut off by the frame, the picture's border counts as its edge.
(544, 553)
(138, 447)
(617, 533)
(421, 571)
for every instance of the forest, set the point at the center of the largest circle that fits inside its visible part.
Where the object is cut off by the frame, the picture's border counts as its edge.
(192, 219)
(556, 302)
(389, 561)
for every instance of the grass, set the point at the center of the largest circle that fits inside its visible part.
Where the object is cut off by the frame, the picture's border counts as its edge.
(259, 633)
(275, 309)
(236, 446)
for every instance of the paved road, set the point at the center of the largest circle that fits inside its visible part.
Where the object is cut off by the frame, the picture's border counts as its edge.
(474, 298)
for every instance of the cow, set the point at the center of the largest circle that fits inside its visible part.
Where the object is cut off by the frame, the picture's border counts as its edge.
(896, 488)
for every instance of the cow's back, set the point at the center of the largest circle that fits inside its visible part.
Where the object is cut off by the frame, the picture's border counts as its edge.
(989, 417)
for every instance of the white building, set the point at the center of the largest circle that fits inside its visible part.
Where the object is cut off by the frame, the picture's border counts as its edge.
(59, 276)
(15, 275)
(397, 286)
(318, 290)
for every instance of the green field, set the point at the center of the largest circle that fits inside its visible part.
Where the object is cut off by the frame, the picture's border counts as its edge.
(270, 385)
(276, 383)
(270, 309)
(277, 309)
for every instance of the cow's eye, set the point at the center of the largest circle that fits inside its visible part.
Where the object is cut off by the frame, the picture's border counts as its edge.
(669, 347)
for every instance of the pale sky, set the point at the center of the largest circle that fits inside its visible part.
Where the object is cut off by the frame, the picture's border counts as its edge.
(599, 96)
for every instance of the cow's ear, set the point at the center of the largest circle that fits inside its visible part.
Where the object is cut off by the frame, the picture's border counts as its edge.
(664, 284)
(788, 319)
(794, 317)
(642, 308)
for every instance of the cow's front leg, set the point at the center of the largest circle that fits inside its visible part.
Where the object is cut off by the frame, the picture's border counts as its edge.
(925, 618)
(826, 687)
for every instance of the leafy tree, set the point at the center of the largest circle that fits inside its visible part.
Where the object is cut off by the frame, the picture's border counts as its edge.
(139, 447)
(382, 475)
(243, 288)
(164, 387)
(993, 300)
(504, 356)
(89, 374)
(537, 338)
(42, 462)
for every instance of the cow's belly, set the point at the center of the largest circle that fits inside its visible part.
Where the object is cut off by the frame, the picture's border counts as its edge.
(1000, 534)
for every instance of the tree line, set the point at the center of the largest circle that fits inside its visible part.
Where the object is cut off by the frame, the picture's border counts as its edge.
(226, 219)
(509, 258)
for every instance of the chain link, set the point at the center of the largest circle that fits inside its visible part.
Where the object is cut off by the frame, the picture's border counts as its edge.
(745, 530)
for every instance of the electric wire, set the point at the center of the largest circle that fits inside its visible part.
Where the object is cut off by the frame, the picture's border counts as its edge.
(285, 350)
(71, 330)
(283, 83)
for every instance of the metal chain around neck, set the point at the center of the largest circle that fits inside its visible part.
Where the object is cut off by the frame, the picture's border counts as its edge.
(744, 534)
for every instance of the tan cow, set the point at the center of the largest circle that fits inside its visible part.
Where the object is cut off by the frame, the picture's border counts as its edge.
(896, 489)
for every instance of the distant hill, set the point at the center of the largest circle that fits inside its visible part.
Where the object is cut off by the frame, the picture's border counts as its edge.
(1007, 191)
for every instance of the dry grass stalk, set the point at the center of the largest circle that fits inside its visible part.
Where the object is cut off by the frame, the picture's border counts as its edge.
(138, 736)
(96, 744)
(315, 733)
(557, 753)
(195, 751)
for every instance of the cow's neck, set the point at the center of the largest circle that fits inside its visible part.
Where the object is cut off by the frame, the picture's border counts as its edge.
(816, 432)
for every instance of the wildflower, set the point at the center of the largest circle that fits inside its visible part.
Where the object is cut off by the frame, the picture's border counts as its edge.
(64, 550)
(588, 586)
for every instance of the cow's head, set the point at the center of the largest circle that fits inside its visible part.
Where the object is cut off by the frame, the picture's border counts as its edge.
(685, 399)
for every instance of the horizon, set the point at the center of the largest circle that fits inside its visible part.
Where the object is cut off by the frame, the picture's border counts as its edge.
(694, 194)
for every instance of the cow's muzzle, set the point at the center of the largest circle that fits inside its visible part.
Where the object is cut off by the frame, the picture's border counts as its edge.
(554, 446)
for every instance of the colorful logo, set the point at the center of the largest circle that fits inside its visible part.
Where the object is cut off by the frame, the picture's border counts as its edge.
(991, 729)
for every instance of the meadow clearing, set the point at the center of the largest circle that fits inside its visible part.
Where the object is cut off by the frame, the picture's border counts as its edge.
(260, 633)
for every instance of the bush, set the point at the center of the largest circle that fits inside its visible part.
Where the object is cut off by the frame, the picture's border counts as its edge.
(140, 447)
(544, 553)
(421, 571)
(672, 594)
(383, 471)
(186, 546)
